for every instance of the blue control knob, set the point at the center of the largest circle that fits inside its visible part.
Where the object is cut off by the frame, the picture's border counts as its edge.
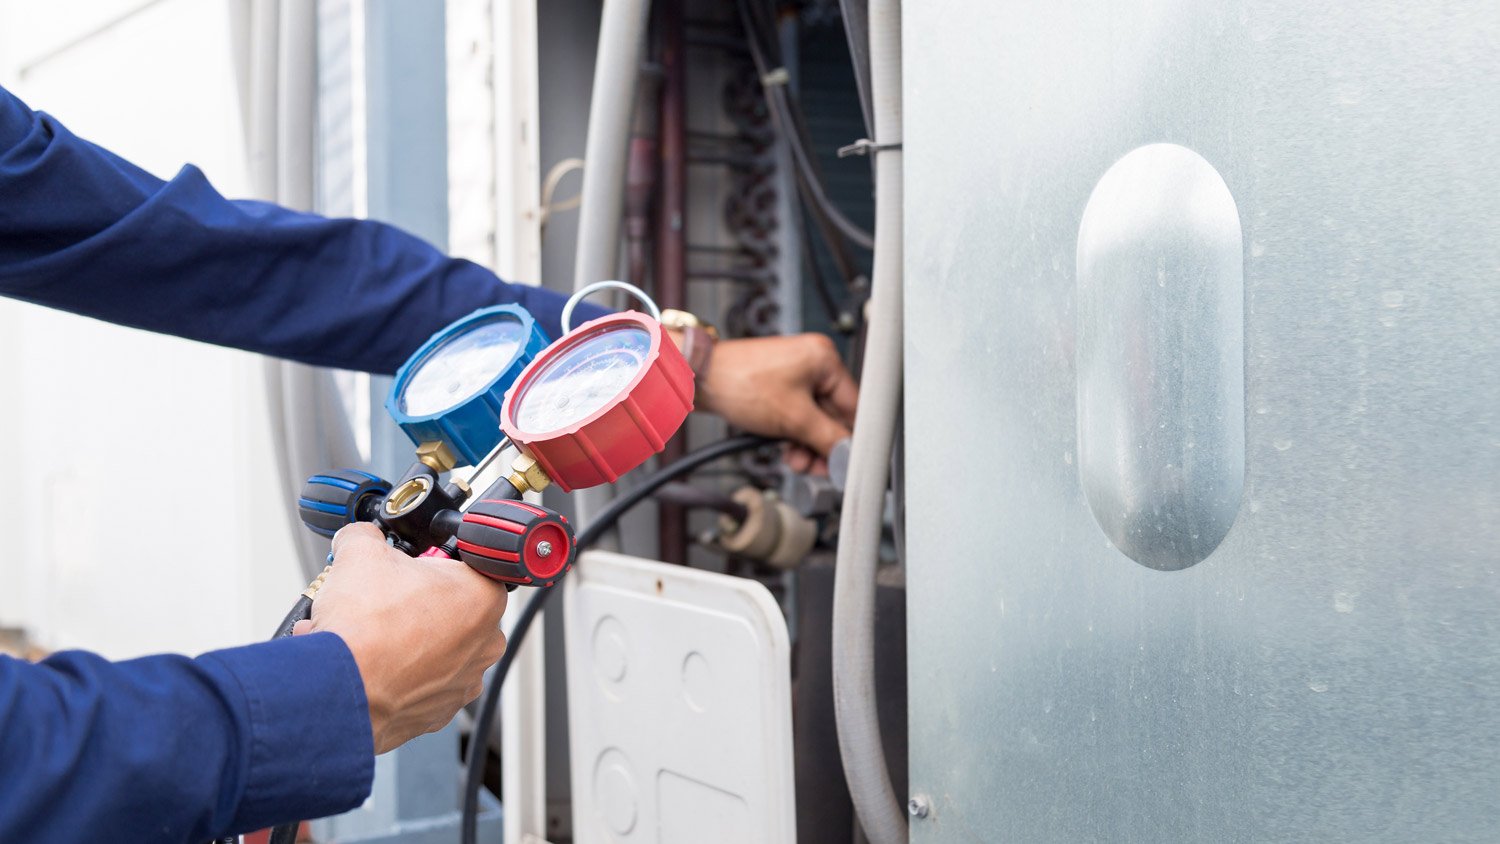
(452, 388)
(341, 497)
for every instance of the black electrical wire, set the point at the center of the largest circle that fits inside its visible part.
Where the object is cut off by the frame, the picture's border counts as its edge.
(809, 175)
(484, 721)
(759, 25)
(823, 286)
(764, 51)
(838, 249)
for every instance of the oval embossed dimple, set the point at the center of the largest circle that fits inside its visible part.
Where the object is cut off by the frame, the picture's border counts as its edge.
(1161, 356)
(616, 794)
(697, 682)
(611, 654)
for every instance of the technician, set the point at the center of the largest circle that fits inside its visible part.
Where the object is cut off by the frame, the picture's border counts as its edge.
(168, 748)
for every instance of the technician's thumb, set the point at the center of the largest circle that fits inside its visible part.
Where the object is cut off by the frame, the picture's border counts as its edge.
(351, 539)
(301, 627)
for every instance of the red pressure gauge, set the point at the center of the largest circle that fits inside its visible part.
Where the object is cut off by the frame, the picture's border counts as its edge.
(597, 403)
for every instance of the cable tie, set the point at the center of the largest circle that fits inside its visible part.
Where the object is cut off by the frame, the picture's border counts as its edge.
(865, 146)
(776, 78)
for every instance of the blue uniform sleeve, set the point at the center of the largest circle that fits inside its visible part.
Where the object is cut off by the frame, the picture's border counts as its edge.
(83, 230)
(168, 748)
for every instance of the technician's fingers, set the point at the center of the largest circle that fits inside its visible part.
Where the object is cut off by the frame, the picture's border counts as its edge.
(835, 387)
(302, 627)
(817, 429)
(468, 591)
(800, 458)
(797, 458)
(838, 392)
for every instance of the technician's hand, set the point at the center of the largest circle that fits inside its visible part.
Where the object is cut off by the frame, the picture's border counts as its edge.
(795, 388)
(422, 630)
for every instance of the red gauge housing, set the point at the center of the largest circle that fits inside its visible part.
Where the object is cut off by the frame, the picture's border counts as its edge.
(623, 431)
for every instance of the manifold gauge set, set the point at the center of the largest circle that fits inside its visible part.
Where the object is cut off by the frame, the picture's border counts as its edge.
(576, 413)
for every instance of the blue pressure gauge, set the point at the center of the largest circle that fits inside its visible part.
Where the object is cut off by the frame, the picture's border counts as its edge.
(452, 388)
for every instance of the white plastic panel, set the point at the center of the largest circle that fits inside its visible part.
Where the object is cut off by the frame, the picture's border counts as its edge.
(679, 699)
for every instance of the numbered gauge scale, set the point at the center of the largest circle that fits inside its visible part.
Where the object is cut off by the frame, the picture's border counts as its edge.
(450, 390)
(599, 402)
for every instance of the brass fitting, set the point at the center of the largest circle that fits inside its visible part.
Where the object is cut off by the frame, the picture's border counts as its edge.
(772, 532)
(405, 498)
(311, 592)
(526, 474)
(437, 456)
(755, 537)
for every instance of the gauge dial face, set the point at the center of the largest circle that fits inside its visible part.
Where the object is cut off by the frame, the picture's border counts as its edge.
(583, 379)
(462, 366)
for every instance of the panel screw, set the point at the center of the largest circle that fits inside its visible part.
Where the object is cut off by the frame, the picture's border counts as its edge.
(544, 549)
(917, 807)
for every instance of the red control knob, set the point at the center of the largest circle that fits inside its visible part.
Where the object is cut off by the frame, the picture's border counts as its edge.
(601, 400)
(516, 542)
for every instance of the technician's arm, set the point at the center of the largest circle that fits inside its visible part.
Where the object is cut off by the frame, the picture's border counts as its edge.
(83, 230)
(168, 748)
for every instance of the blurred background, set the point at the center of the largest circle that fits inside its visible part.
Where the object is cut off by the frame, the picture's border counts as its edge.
(124, 430)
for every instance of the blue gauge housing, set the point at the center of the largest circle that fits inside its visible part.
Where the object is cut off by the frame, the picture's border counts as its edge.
(452, 388)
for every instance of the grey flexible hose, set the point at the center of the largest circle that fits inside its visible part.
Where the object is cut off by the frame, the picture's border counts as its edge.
(622, 40)
(276, 49)
(880, 812)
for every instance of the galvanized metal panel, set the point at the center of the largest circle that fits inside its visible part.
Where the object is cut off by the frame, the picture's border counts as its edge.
(1331, 670)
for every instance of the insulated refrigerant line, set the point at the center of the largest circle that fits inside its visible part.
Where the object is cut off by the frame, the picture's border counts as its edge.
(622, 39)
(880, 812)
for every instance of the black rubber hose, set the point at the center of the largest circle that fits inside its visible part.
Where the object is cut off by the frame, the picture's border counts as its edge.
(301, 611)
(811, 269)
(484, 721)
